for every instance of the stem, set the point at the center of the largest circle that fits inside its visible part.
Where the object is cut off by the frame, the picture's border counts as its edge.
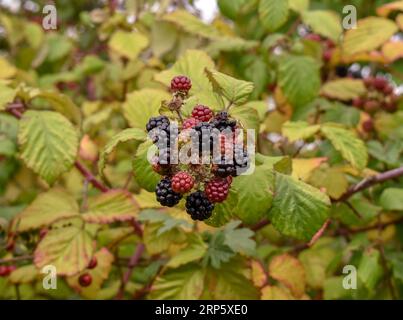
(381, 225)
(369, 182)
(134, 260)
(90, 177)
(16, 259)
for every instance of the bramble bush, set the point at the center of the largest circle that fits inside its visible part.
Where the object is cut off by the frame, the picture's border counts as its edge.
(77, 189)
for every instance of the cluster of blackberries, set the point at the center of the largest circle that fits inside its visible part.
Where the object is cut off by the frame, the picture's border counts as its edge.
(85, 279)
(6, 270)
(379, 96)
(328, 45)
(206, 183)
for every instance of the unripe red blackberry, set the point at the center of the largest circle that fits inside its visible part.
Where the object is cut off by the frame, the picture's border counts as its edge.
(369, 82)
(371, 106)
(202, 113)
(181, 83)
(93, 263)
(358, 102)
(3, 271)
(85, 280)
(313, 37)
(199, 206)
(380, 83)
(182, 182)
(165, 195)
(327, 55)
(368, 125)
(388, 90)
(390, 106)
(190, 123)
(217, 189)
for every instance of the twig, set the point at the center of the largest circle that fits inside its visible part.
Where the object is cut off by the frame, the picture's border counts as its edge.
(90, 177)
(260, 225)
(381, 226)
(318, 234)
(15, 259)
(135, 258)
(369, 182)
(348, 204)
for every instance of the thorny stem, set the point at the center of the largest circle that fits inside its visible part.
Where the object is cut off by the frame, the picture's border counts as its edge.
(15, 259)
(134, 260)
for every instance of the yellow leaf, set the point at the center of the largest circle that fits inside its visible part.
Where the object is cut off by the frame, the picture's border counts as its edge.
(370, 33)
(302, 168)
(276, 293)
(399, 21)
(259, 276)
(6, 69)
(290, 272)
(99, 274)
(343, 89)
(128, 44)
(384, 10)
(147, 200)
(393, 50)
(24, 274)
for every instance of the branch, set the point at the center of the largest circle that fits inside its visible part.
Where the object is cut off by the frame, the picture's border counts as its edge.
(370, 181)
(90, 177)
(16, 259)
(379, 226)
(134, 260)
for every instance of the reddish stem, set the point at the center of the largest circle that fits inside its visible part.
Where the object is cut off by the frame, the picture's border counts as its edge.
(90, 177)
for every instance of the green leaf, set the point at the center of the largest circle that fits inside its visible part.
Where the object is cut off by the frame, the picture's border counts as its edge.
(168, 221)
(255, 194)
(299, 79)
(370, 33)
(183, 283)
(60, 103)
(128, 44)
(48, 143)
(343, 89)
(59, 46)
(248, 117)
(345, 141)
(131, 134)
(396, 260)
(231, 8)
(192, 64)
(48, 207)
(191, 24)
(299, 210)
(7, 95)
(229, 44)
(193, 252)
(111, 206)
(230, 283)
(24, 274)
(273, 13)
(69, 249)
(370, 270)
(294, 131)
(7, 70)
(239, 240)
(163, 37)
(218, 252)
(332, 179)
(145, 176)
(236, 91)
(223, 212)
(141, 105)
(323, 22)
(392, 199)
(298, 5)
(157, 241)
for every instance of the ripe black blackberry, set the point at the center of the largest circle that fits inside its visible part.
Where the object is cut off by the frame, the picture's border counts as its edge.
(161, 122)
(241, 161)
(222, 121)
(198, 206)
(165, 195)
(203, 132)
(224, 168)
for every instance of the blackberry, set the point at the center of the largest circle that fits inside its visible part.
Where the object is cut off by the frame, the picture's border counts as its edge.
(223, 169)
(165, 195)
(190, 123)
(161, 122)
(198, 206)
(202, 113)
(241, 160)
(204, 134)
(181, 83)
(85, 280)
(341, 71)
(161, 168)
(368, 125)
(182, 182)
(222, 122)
(217, 189)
